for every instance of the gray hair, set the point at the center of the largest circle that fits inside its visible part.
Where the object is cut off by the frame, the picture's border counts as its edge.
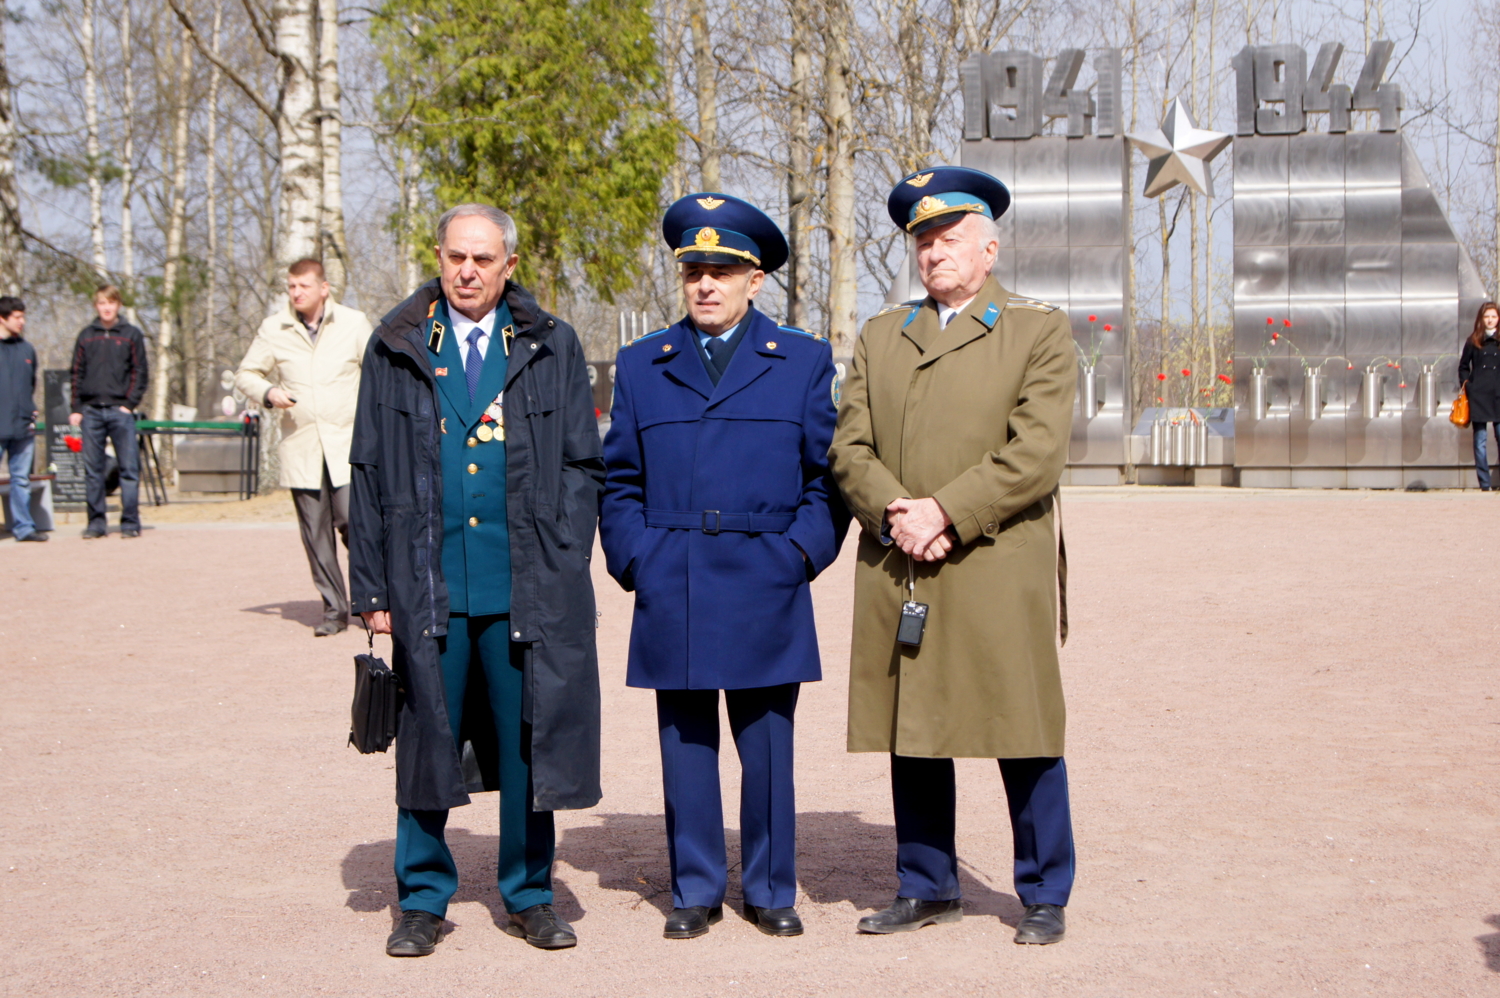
(489, 213)
(988, 228)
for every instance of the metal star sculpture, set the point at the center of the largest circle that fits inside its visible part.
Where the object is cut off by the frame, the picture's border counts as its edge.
(1179, 152)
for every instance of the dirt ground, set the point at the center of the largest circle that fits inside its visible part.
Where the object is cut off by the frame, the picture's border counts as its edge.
(1282, 745)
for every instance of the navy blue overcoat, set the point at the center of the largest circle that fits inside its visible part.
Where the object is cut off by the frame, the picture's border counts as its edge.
(712, 496)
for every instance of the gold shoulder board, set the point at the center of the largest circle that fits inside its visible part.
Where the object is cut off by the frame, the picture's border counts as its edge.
(1032, 303)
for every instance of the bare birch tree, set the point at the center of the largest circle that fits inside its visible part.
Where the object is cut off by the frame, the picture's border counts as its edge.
(11, 247)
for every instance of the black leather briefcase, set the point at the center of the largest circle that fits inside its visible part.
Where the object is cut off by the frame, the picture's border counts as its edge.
(377, 699)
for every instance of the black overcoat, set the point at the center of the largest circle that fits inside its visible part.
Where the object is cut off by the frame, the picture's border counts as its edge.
(554, 473)
(1480, 370)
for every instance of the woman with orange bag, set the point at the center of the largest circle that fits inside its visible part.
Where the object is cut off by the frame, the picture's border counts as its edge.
(1479, 373)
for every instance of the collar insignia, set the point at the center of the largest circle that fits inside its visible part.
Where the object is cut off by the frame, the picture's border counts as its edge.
(920, 180)
(441, 372)
(710, 203)
(706, 238)
(432, 309)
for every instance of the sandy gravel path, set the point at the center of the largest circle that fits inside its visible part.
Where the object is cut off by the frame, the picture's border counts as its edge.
(1282, 740)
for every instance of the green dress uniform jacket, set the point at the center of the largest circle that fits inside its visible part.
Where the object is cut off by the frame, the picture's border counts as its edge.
(476, 534)
(978, 416)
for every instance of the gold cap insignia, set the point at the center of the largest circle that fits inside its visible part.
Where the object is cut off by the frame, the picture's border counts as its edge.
(706, 237)
(920, 180)
(770, 344)
(709, 204)
(930, 204)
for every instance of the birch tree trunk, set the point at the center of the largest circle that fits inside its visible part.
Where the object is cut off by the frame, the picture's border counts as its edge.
(211, 206)
(411, 176)
(171, 310)
(1496, 286)
(839, 108)
(10, 203)
(1194, 204)
(335, 248)
(799, 169)
(127, 165)
(705, 71)
(298, 133)
(91, 139)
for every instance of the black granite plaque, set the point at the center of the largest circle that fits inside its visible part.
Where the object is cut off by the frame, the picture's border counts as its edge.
(68, 488)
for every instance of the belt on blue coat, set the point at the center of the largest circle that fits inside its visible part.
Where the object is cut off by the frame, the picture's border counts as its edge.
(712, 521)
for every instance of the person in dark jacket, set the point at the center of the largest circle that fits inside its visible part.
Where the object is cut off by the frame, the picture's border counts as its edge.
(1479, 373)
(474, 497)
(718, 512)
(18, 414)
(110, 375)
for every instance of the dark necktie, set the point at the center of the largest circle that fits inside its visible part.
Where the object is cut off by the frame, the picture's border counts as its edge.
(718, 352)
(474, 362)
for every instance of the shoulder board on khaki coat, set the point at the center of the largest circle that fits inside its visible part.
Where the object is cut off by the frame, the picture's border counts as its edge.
(1031, 303)
(906, 305)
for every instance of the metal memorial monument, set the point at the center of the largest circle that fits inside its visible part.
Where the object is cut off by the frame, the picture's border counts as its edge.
(1341, 249)
(1063, 239)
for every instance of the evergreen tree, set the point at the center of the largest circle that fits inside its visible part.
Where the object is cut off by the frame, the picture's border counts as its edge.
(547, 109)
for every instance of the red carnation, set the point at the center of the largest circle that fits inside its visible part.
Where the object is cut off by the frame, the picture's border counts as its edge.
(1093, 317)
(75, 444)
(1186, 372)
(1161, 377)
(1108, 327)
(1270, 321)
(1349, 368)
(1275, 337)
(1287, 323)
(1226, 379)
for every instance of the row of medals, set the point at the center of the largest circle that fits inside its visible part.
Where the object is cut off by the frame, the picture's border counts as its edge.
(492, 423)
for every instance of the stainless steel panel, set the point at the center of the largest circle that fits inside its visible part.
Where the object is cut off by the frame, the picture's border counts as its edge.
(1316, 163)
(998, 159)
(1318, 329)
(1372, 193)
(1042, 273)
(1262, 218)
(1422, 218)
(1373, 312)
(971, 82)
(1013, 94)
(1005, 268)
(1040, 204)
(1096, 189)
(1096, 279)
(1260, 283)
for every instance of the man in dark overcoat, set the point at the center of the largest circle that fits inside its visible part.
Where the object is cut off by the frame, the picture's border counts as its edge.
(475, 490)
(717, 514)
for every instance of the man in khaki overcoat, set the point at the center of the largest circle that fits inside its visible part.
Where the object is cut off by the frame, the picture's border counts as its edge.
(951, 439)
(305, 363)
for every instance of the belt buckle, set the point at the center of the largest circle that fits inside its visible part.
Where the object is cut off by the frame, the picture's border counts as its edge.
(718, 519)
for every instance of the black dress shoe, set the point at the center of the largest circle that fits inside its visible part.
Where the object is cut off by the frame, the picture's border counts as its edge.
(542, 927)
(130, 533)
(91, 534)
(910, 914)
(689, 923)
(1042, 924)
(328, 627)
(416, 934)
(774, 921)
(35, 535)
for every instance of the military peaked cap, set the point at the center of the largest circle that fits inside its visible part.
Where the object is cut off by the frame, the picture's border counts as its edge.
(941, 194)
(719, 228)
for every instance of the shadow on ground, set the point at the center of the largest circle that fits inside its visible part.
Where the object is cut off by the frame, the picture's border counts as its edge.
(1489, 945)
(309, 612)
(841, 858)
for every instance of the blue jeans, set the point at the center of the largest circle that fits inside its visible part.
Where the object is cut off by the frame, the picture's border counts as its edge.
(100, 422)
(1481, 458)
(19, 449)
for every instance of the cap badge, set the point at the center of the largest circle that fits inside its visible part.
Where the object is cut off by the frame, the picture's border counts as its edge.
(709, 204)
(928, 204)
(920, 180)
(706, 237)
(770, 344)
(666, 348)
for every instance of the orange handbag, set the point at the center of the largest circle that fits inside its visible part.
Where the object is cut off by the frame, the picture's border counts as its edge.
(1460, 414)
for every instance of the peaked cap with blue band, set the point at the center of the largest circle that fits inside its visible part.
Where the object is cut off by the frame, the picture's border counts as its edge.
(722, 229)
(941, 194)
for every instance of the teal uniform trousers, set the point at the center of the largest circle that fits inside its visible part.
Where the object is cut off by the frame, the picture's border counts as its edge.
(477, 648)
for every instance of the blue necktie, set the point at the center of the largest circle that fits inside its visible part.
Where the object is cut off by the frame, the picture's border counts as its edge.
(474, 363)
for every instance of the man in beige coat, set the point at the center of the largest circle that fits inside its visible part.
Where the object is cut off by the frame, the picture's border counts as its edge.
(950, 443)
(304, 362)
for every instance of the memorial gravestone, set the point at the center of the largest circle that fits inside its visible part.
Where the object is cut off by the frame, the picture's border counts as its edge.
(68, 490)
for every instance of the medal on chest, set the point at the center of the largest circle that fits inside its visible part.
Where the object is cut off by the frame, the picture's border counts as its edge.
(492, 423)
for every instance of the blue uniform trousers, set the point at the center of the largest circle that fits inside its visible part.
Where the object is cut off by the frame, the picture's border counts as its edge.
(426, 875)
(761, 722)
(1041, 827)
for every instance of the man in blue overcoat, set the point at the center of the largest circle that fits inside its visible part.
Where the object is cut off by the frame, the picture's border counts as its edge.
(718, 512)
(476, 475)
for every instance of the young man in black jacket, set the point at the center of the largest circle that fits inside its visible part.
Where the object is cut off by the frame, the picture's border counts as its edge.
(110, 374)
(18, 414)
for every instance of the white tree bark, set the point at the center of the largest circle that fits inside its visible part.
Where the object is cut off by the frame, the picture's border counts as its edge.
(167, 328)
(127, 165)
(411, 176)
(91, 139)
(705, 71)
(298, 132)
(211, 206)
(335, 249)
(838, 106)
(11, 249)
(799, 169)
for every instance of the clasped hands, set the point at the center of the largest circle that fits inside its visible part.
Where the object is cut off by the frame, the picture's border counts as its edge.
(920, 528)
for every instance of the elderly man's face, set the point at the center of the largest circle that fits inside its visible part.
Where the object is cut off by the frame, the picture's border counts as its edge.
(474, 267)
(719, 295)
(955, 259)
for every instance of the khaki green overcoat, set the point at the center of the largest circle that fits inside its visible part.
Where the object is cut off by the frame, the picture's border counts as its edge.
(976, 415)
